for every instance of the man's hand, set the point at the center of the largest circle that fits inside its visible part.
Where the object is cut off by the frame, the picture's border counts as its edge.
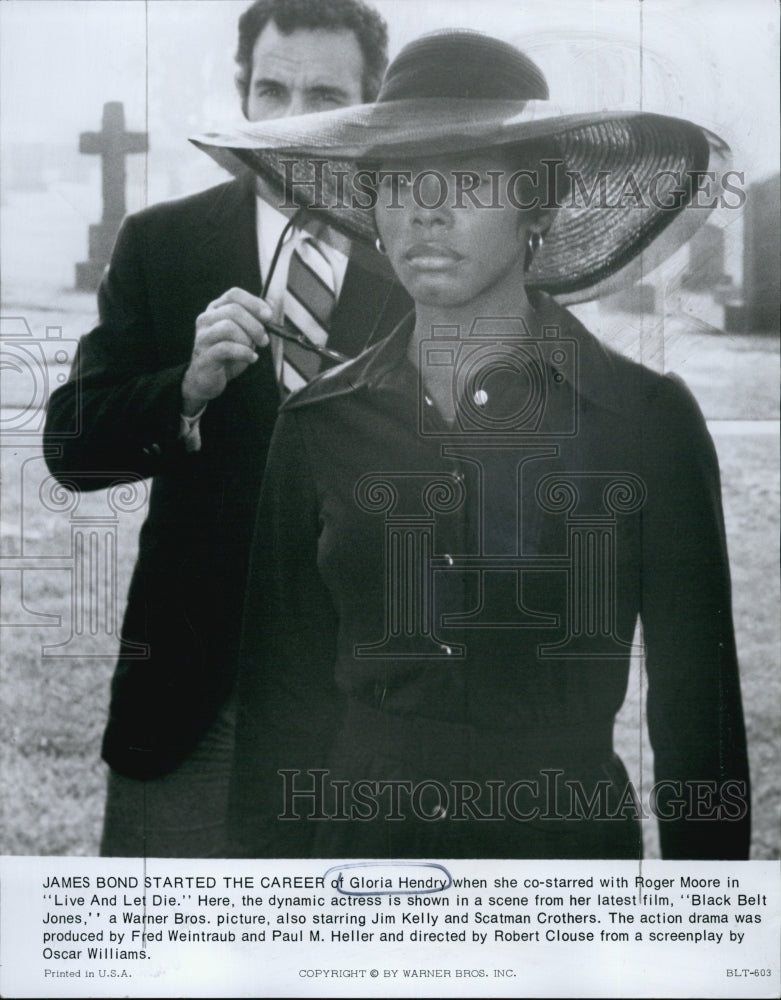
(228, 335)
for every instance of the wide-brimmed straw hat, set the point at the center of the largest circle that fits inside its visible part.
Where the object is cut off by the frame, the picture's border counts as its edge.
(633, 174)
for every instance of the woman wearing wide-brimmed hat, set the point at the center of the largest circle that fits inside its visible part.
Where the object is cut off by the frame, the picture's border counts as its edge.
(460, 529)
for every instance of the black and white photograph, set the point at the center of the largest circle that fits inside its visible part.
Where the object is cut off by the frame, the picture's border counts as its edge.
(390, 497)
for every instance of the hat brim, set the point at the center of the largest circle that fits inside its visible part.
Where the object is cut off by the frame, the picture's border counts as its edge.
(633, 175)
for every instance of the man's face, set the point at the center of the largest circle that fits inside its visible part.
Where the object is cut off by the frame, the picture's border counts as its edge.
(305, 71)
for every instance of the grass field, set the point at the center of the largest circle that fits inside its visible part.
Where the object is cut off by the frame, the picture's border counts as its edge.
(54, 708)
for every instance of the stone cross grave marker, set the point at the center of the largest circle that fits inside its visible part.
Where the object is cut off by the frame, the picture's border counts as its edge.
(112, 144)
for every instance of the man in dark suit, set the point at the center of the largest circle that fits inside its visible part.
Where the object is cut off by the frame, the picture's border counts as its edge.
(178, 382)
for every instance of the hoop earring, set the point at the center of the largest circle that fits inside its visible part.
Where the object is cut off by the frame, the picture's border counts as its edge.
(380, 246)
(534, 243)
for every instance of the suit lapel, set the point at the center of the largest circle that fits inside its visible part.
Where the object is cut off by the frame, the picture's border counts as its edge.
(228, 255)
(228, 242)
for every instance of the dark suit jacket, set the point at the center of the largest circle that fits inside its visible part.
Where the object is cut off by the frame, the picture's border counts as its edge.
(124, 395)
(619, 461)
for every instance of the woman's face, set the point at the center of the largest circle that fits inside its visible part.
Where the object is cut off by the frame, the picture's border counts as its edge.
(446, 245)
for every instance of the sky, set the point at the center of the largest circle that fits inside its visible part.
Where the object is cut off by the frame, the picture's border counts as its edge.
(171, 61)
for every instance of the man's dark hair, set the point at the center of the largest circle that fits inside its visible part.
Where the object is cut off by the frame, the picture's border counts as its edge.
(366, 24)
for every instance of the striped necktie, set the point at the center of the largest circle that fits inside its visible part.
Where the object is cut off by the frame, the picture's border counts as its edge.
(309, 302)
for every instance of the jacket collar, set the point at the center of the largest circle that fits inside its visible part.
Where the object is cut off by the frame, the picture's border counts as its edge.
(598, 373)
